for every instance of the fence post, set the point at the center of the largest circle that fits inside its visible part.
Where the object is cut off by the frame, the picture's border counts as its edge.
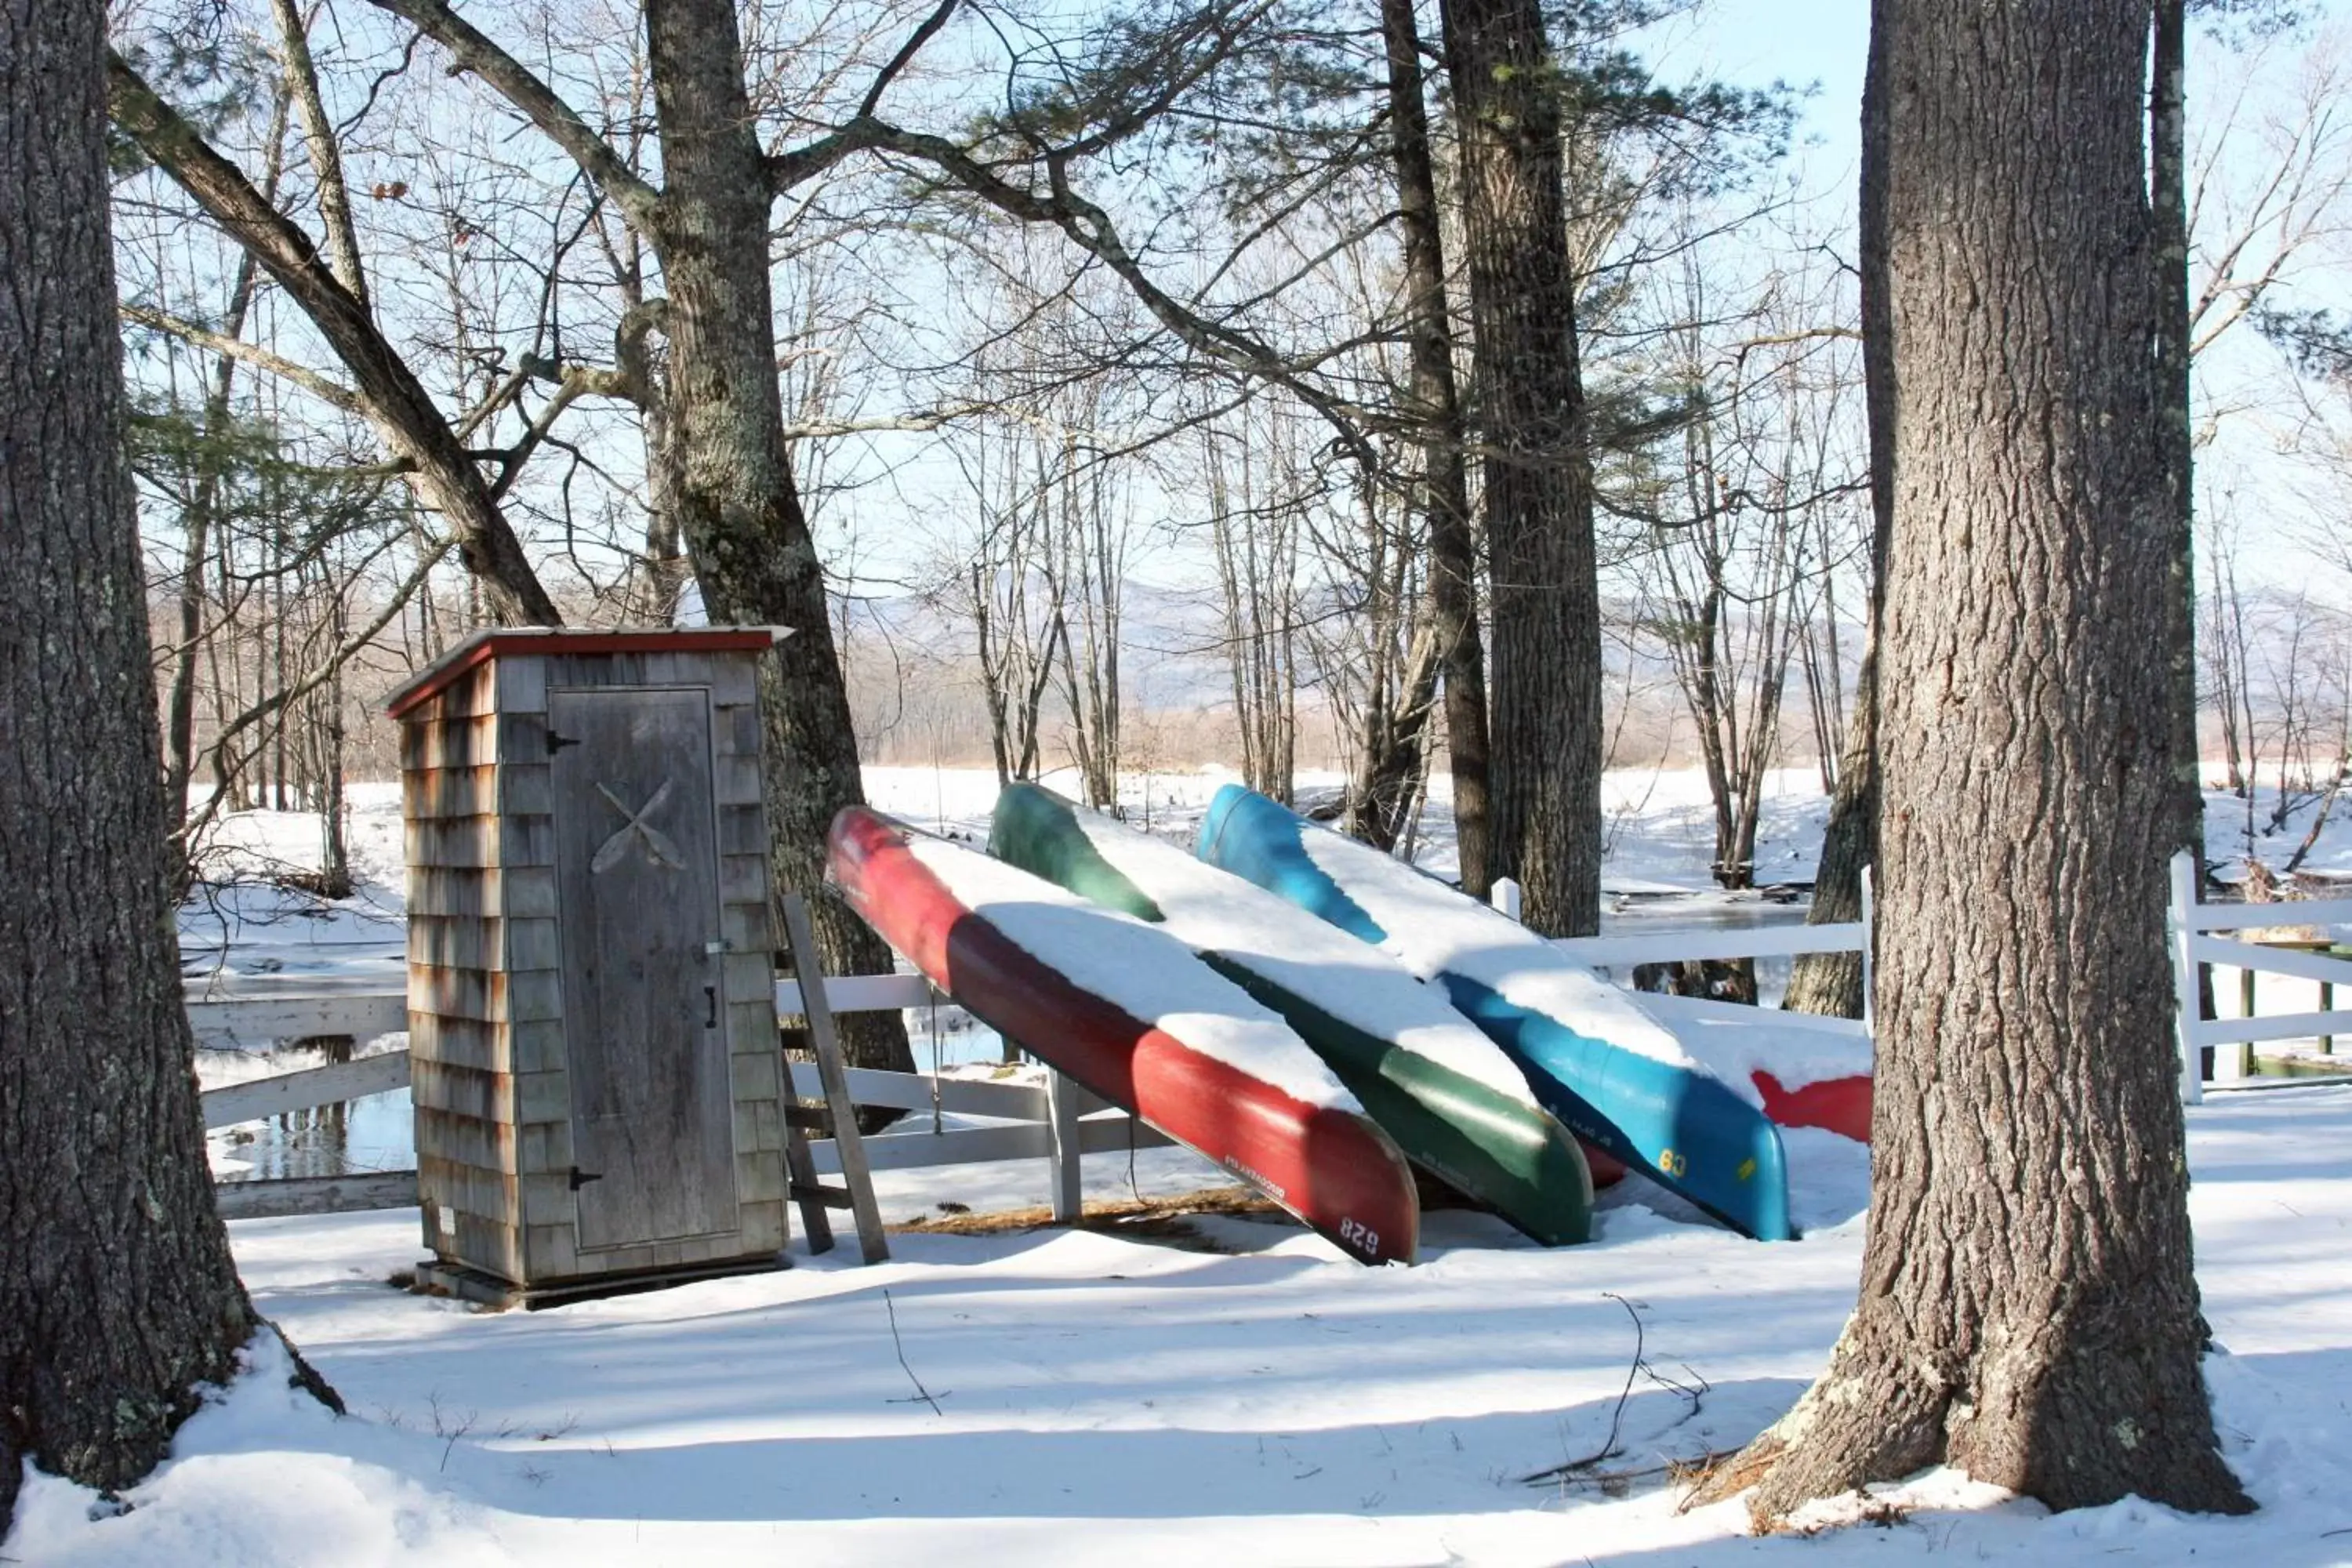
(1061, 1117)
(2183, 914)
(1506, 896)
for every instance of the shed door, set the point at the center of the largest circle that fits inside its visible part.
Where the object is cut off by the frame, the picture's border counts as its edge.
(636, 859)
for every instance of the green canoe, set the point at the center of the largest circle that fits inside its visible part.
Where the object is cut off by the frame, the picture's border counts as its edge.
(1452, 1100)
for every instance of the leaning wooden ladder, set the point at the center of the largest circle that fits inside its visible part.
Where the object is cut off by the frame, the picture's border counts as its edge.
(856, 1191)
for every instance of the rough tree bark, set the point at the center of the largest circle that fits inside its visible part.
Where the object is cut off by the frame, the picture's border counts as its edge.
(734, 493)
(2167, 122)
(2028, 1308)
(117, 1292)
(1444, 483)
(1544, 595)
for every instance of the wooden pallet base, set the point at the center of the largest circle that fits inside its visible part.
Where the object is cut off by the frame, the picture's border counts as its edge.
(436, 1277)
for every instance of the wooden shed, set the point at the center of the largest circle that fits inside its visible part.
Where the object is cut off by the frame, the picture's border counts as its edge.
(592, 1021)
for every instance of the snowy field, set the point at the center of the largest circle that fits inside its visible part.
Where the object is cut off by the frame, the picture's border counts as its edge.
(1661, 842)
(1660, 836)
(1103, 1400)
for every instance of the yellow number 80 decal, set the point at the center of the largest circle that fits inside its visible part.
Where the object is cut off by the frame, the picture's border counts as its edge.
(1672, 1164)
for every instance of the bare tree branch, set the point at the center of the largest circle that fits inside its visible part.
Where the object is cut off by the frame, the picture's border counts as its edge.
(331, 393)
(474, 52)
(905, 55)
(326, 157)
(388, 390)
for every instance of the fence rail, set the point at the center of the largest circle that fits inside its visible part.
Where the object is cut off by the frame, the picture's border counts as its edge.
(305, 1089)
(2231, 1040)
(1701, 1009)
(1713, 942)
(1058, 1122)
(234, 1021)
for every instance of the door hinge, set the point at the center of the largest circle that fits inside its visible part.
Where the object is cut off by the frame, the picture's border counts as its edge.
(581, 1178)
(556, 742)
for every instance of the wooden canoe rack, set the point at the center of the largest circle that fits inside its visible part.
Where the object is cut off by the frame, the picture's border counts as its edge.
(856, 1191)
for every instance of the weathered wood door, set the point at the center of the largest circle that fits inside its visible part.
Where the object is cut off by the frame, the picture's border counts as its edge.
(637, 871)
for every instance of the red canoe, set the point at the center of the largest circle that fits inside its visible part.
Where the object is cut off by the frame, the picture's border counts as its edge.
(1332, 1168)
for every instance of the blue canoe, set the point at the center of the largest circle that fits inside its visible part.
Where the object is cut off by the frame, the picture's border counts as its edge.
(1614, 1074)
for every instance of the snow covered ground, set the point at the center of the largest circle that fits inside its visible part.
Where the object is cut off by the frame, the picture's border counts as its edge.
(1104, 1397)
(1099, 1399)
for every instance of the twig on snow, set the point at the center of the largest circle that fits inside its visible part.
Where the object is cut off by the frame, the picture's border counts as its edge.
(1609, 1448)
(921, 1392)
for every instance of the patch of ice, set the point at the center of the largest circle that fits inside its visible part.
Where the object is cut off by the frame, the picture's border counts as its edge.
(1138, 968)
(1211, 909)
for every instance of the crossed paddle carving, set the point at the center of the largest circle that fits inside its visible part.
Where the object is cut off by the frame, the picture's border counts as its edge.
(659, 846)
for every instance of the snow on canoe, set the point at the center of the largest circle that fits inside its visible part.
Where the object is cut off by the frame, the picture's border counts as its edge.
(1800, 1072)
(1128, 1012)
(1454, 1103)
(1619, 1078)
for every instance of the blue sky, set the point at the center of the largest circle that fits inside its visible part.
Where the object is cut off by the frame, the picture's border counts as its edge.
(1804, 43)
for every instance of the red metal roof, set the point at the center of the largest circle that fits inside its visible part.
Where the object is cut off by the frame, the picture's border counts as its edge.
(485, 645)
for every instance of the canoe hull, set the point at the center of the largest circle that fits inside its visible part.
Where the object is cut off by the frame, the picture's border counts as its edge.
(1332, 1168)
(1683, 1129)
(1499, 1152)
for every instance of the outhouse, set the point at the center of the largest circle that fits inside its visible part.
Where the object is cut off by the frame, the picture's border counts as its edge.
(592, 1021)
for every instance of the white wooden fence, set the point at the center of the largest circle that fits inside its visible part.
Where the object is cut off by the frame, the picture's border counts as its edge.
(1619, 956)
(2231, 1040)
(2193, 923)
(1058, 1122)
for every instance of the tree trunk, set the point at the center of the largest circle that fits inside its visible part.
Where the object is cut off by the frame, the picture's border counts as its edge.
(737, 505)
(2028, 1311)
(1444, 483)
(1544, 596)
(1830, 983)
(1386, 789)
(117, 1292)
(334, 837)
(2168, 201)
